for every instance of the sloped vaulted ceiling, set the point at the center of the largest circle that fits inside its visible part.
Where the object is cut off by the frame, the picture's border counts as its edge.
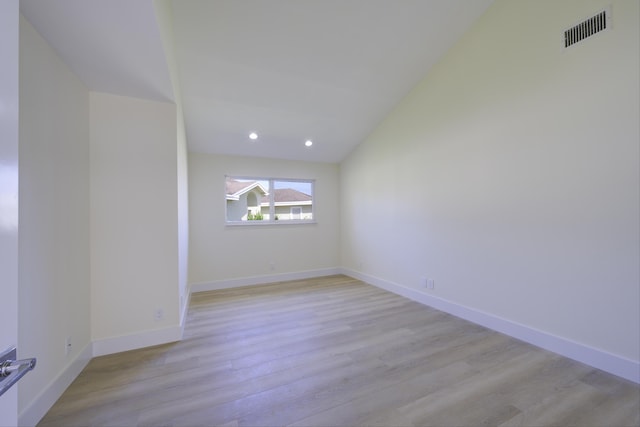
(290, 70)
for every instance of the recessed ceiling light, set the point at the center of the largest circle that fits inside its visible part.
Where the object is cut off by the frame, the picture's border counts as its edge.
(308, 143)
(253, 136)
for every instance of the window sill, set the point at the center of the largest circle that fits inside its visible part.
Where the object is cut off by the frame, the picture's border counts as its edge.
(282, 223)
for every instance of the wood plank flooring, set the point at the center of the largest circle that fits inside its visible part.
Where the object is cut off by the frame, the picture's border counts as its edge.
(334, 351)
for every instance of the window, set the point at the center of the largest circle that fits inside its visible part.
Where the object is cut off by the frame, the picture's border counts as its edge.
(268, 200)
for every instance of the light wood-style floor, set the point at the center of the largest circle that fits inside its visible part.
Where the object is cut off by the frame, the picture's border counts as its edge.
(334, 351)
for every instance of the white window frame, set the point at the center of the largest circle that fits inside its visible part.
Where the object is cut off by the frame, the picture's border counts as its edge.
(272, 206)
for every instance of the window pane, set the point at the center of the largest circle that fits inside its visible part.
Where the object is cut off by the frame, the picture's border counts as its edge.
(245, 199)
(293, 200)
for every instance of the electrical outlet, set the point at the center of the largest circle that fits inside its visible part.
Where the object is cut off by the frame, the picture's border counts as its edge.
(272, 265)
(67, 345)
(431, 284)
(159, 314)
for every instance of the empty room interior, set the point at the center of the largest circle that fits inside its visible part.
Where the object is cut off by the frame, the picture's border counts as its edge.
(321, 213)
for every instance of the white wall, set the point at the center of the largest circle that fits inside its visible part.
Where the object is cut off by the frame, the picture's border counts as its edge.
(134, 223)
(510, 176)
(54, 219)
(220, 255)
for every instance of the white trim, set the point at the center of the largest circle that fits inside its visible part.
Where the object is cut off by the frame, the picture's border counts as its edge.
(185, 311)
(614, 364)
(267, 222)
(261, 280)
(40, 405)
(137, 341)
(237, 194)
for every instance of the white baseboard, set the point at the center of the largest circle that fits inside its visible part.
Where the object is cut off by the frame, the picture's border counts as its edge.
(617, 365)
(135, 341)
(39, 406)
(261, 280)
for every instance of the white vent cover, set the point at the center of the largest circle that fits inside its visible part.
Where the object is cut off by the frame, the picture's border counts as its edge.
(587, 28)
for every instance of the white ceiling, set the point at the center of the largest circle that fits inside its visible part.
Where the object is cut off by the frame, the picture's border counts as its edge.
(290, 70)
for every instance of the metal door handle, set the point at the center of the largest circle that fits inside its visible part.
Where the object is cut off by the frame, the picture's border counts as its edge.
(12, 370)
(10, 366)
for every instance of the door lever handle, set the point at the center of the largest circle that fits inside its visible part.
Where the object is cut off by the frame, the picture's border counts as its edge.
(10, 366)
(12, 370)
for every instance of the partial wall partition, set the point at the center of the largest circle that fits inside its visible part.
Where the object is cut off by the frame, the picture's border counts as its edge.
(134, 223)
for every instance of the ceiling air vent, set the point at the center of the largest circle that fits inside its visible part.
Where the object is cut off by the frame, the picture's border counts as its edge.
(587, 28)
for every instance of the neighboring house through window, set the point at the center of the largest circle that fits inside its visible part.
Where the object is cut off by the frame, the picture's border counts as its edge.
(296, 212)
(268, 200)
(242, 199)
